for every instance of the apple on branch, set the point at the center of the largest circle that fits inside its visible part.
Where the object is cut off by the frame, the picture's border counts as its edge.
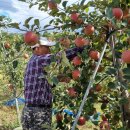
(76, 74)
(31, 38)
(81, 120)
(77, 61)
(7, 45)
(117, 13)
(94, 55)
(125, 57)
(89, 29)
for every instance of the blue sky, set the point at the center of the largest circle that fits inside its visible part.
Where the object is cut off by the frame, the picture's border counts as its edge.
(19, 11)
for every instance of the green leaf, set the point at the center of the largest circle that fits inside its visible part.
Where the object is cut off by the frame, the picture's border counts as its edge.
(12, 53)
(58, 1)
(95, 116)
(65, 61)
(1, 18)
(17, 47)
(14, 25)
(109, 12)
(121, 128)
(98, 77)
(95, 122)
(51, 21)
(15, 64)
(30, 6)
(126, 71)
(46, 26)
(64, 4)
(111, 85)
(59, 20)
(127, 77)
(123, 101)
(111, 71)
(86, 10)
(36, 21)
(27, 21)
(103, 106)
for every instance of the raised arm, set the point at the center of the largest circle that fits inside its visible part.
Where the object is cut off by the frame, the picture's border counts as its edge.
(45, 60)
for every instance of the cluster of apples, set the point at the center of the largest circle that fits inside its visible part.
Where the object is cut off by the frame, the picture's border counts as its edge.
(119, 14)
(7, 46)
(81, 120)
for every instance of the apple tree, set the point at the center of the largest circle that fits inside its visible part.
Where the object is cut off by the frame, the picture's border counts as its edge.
(13, 58)
(91, 25)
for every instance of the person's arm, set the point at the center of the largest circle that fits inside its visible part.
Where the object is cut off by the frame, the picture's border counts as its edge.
(71, 53)
(44, 60)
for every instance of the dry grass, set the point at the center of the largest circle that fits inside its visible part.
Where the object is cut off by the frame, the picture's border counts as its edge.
(8, 118)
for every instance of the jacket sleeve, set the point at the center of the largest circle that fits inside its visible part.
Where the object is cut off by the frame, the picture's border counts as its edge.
(44, 60)
(70, 54)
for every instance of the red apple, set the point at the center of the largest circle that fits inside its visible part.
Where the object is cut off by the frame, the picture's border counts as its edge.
(7, 45)
(89, 29)
(117, 13)
(80, 42)
(104, 125)
(74, 17)
(125, 57)
(65, 42)
(31, 38)
(75, 74)
(94, 55)
(72, 92)
(77, 61)
(81, 120)
(52, 5)
(98, 87)
(59, 117)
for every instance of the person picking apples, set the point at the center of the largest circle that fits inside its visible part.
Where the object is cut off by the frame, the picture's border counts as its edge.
(37, 112)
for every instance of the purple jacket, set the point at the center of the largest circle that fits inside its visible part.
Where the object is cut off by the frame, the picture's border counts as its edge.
(37, 90)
